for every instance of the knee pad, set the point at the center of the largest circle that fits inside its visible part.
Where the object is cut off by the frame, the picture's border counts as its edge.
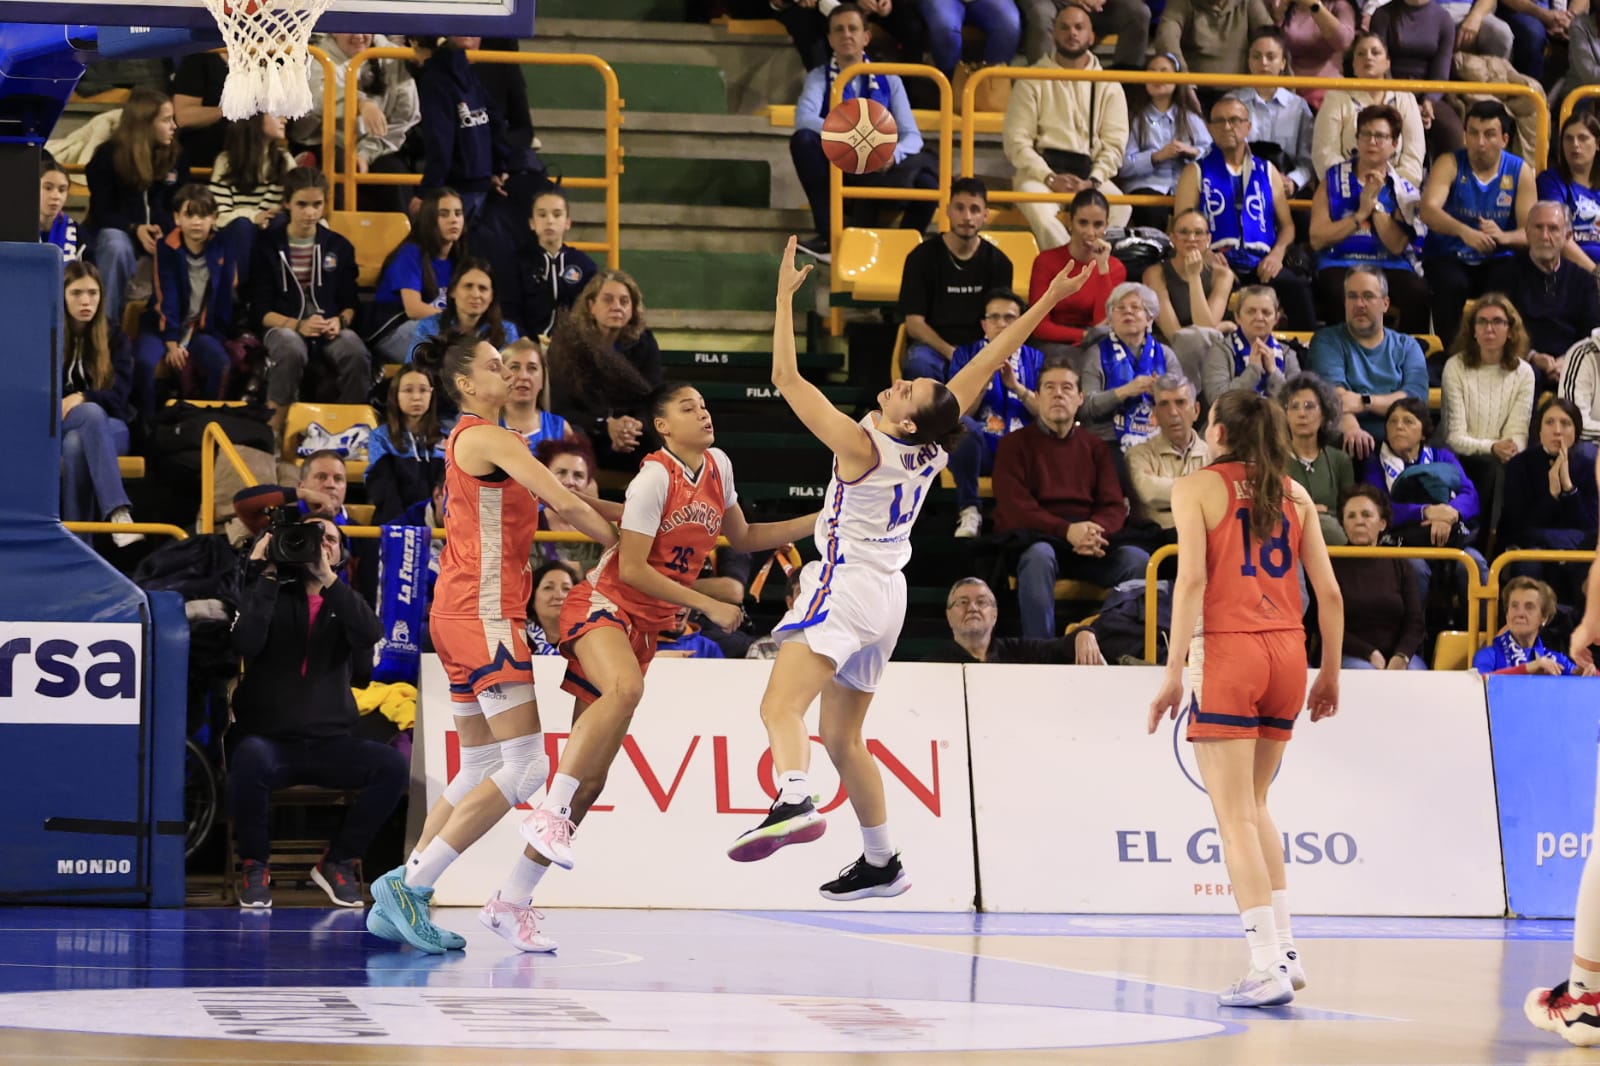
(497, 699)
(476, 764)
(524, 766)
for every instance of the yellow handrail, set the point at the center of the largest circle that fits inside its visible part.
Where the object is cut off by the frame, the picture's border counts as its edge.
(611, 183)
(1474, 585)
(214, 434)
(1491, 590)
(160, 529)
(1577, 95)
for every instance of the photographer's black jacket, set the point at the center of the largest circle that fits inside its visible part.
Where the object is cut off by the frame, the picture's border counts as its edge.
(273, 698)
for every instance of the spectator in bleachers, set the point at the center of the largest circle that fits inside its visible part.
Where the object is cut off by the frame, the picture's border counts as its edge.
(1529, 605)
(944, 282)
(913, 167)
(1365, 214)
(1551, 499)
(524, 410)
(765, 647)
(1010, 402)
(470, 306)
(415, 279)
(1000, 21)
(507, 91)
(1066, 136)
(1175, 450)
(197, 103)
(1488, 394)
(1421, 38)
(807, 24)
(1333, 136)
(1474, 202)
(1373, 368)
(1056, 488)
(1557, 298)
(406, 453)
(683, 639)
(1317, 33)
(321, 490)
(96, 385)
(1583, 56)
(55, 225)
(194, 298)
(1127, 20)
(1322, 468)
(1433, 501)
(1243, 198)
(1281, 123)
(132, 178)
(1246, 355)
(603, 363)
(1572, 181)
(1121, 369)
(1166, 131)
(1534, 23)
(552, 584)
(1073, 317)
(552, 272)
(972, 611)
(1194, 285)
(572, 464)
(247, 181)
(1383, 615)
(1210, 36)
(465, 147)
(303, 294)
(387, 109)
(1580, 384)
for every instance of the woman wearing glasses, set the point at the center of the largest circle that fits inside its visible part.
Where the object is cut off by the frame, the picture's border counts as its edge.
(1317, 462)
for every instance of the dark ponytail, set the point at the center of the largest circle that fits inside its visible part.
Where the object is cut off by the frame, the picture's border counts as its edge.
(940, 422)
(1258, 435)
(446, 357)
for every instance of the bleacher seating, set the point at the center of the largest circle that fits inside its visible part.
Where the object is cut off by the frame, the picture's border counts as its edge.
(333, 417)
(374, 234)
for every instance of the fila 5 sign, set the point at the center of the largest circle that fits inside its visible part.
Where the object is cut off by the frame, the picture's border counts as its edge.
(695, 771)
(70, 673)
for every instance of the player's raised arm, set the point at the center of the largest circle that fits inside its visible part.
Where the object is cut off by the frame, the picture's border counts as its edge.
(765, 536)
(972, 379)
(827, 423)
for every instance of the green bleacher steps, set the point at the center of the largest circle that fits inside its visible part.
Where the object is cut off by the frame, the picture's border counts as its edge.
(675, 87)
(670, 180)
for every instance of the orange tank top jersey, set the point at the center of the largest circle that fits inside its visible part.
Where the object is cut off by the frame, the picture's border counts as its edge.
(1252, 585)
(489, 524)
(682, 510)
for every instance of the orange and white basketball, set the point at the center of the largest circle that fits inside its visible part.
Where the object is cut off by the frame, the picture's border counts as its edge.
(859, 136)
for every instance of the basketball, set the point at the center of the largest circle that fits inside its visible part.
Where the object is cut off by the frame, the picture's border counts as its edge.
(859, 136)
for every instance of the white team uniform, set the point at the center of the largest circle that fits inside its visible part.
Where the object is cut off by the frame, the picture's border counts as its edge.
(852, 603)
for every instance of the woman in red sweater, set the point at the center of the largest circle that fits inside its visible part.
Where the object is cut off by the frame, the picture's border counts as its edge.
(1071, 318)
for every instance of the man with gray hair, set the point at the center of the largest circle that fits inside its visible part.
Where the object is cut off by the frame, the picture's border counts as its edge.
(972, 611)
(1370, 366)
(1556, 298)
(1120, 368)
(1173, 452)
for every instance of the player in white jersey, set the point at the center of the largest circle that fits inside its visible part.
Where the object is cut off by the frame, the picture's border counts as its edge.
(851, 605)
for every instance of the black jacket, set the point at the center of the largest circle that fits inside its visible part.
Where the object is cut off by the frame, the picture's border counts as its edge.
(273, 286)
(114, 204)
(274, 699)
(463, 136)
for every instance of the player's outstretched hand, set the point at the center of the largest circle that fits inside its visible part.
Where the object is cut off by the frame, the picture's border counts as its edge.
(1323, 699)
(1070, 280)
(790, 277)
(1166, 701)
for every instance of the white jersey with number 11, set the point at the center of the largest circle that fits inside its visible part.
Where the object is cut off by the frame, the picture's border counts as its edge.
(867, 521)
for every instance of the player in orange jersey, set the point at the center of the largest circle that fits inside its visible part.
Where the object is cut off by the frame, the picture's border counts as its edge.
(491, 511)
(1243, 525)
(681, 499)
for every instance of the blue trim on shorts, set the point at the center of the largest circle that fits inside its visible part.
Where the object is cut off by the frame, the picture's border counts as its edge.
(583, 683)
(1241, 721)
(502, 658)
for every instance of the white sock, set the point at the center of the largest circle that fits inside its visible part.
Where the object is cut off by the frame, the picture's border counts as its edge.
(1261, 931)
(792, 786)
(558, 795)
(875, 839)
(524, 878)
(1280, 917)
(431, 864)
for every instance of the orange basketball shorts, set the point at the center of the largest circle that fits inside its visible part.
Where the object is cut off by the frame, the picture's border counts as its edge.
(479, 653)
(587, 610)
(1247, 685)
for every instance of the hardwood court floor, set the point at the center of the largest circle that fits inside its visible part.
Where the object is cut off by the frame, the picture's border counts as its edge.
(310, 987)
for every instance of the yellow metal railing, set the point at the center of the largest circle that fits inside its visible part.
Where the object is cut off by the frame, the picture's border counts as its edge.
(1475, 587)
(1491, 591)
(611, 183)
(211, 441)
(159, 529)
(1576, 96)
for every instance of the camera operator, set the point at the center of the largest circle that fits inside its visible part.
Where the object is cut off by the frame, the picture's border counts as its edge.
(305, 637)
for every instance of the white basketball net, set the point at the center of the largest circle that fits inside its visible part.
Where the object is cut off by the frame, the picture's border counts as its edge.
(267, 56)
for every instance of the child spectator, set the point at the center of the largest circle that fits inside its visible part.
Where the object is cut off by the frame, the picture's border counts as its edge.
(470, 307)
(525, 409)
(464, 138)
(415, 279)
(55, 225)
(405, 454)
(1517, 649)
(554, 273)
(191, 310)
(1166, 131)
(247, 181)
(96, 380)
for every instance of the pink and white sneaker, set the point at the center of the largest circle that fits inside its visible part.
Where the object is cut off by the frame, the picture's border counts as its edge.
(515, 924)
(550, 835)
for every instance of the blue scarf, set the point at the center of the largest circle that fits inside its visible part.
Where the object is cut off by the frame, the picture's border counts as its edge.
(1242, 232)
(1135, 420)
(1508, 653)
(403, 564)
(876, 89)
(1241, 356)
(1399, 199)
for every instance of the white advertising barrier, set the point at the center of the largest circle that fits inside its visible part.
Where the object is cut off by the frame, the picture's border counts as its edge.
(695, 772)
(70, 673)
(1386, 809)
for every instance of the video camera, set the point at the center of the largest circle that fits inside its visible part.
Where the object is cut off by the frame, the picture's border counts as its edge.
(296, 538)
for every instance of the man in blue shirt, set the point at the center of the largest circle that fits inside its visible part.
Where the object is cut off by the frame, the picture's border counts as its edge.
(1371, 367)
(913, 168)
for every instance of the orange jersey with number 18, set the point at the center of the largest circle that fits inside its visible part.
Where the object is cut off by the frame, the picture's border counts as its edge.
(1252, 585)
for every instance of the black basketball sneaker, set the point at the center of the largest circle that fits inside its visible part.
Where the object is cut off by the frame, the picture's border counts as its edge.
(861, 879)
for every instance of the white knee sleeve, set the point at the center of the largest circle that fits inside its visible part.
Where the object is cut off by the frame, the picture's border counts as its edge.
(476, 764)
(497, 699)
(524, 766)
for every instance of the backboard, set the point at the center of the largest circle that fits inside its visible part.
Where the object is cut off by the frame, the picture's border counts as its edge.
(478, 18)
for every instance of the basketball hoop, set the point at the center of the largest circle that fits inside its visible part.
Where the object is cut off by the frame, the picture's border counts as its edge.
(267, 55)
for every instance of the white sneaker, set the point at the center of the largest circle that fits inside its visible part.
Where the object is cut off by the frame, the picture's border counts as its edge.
(1297, 972)
(969, 523)
(1260, 988)
(123, 517)
(515, 924)
(550, 835)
